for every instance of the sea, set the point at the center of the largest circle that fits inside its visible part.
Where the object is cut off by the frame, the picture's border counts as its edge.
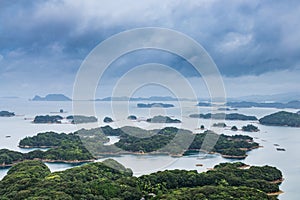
(13, 129)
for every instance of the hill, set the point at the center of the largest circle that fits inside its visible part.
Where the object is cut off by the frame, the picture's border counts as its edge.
(281, 118)
(52, 97)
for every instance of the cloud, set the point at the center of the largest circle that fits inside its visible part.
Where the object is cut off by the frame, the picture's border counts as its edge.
(245, 38)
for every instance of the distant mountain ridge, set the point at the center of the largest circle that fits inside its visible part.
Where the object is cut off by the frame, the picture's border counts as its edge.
(52, 97)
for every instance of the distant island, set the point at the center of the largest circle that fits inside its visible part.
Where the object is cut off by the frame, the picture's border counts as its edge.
(132, 117)
(80, 119)
(57, 119)
(111, 180)
(281, 118)
(230, 116)
(248, 104)
(152, 98)
(52, 97)
(150, 105)
(48, 119)
(6, 114)
(162, 119)
(250, 128)
(107, 120)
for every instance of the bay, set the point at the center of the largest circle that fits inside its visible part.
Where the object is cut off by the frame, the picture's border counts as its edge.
(286, 137)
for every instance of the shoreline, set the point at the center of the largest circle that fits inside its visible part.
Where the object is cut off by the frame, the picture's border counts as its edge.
(49, 161)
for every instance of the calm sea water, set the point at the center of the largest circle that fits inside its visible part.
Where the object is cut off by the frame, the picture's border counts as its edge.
(289, 138)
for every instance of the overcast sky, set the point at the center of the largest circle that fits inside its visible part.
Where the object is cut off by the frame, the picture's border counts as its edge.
(255, 44)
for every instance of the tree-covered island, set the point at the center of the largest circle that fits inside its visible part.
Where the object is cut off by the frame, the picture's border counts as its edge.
(229, 116)
(110, 180)
(85, 145)
(281, 118)
(6, 114)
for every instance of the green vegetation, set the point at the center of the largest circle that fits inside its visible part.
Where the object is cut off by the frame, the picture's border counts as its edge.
(281, 118)
(229, 146)
(111, 180)
(171, 140)
(6, 114)
(234, 128)
(81, 145)
(230, 116)
(150, 105)
(79, 119)
(64, 153)
(48, 119)
(107, 120)
(250, 128)
(162, 119)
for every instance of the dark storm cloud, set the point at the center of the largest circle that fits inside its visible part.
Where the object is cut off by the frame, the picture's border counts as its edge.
(243, 37)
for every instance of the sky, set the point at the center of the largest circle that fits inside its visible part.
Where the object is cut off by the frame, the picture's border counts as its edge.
(255, 44)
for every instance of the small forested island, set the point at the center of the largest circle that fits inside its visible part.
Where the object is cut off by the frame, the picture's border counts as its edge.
(111, 180)
(204, 104)
(220, 124)
(150, 105)
(227, 109)
(281, 118)
(234, 128)
(132, 117)
(229, 116)
(107, 120)
(80, 119)
(56, 119)
(52, 97)
(47, 119)
(6, 114)
(250, 128)
(162, 119)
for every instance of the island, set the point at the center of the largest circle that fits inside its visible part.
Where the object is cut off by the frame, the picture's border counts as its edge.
(151, 98)
(281, 118)
(220, 124)
(162, 119)
(248, 104)
(151, 105)
(107, 120)
(132, 117)
(234, 128)
(6, 114)
(48, 119)
(233, 147)
(169, 140)
(57, 119)
(80, 119)
(227, 109)
(250, 128)
(52, 97)
(111, 180)
(229, 116)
